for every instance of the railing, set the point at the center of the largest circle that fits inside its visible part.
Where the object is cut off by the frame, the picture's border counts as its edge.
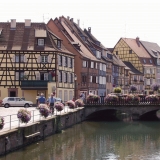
(11, 121)
(123, 101)
(34, 83)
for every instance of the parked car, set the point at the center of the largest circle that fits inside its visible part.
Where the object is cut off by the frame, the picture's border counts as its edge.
(15, 102)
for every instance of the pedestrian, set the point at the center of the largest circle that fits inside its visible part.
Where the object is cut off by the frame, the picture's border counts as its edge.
(41, 99)
(37, 97)
(82, 97)
(90, 93)
(51, 101)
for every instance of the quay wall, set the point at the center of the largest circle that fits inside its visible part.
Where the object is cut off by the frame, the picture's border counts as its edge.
(19, 137)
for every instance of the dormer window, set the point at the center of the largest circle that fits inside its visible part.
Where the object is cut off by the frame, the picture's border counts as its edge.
(59, 44)
(150, 61)
(144, 60)
(130, 51)
(98, 54)
(40, 42)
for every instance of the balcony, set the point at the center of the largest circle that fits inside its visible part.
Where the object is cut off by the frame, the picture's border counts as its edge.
(33, 84)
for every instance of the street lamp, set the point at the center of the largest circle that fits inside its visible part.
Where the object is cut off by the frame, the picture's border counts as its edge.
(75, 79)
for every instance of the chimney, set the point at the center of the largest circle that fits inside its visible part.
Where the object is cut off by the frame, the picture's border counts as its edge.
(60, 19)
(78, 22)
(138, 42)
(89, 29)
(68, 17)
(27, 22)
(71, 19)
(13, 23)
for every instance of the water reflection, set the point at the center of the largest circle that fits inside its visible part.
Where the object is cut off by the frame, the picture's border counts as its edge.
(97, 141)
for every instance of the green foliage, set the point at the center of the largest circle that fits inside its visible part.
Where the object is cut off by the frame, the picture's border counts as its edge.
(117, 90)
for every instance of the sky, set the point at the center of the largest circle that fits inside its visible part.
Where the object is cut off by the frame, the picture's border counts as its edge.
(109, 20)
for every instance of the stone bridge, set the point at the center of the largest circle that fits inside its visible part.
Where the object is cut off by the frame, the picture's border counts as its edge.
(136, 111)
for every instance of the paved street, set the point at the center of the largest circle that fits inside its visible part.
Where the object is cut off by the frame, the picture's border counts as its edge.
(11, 120)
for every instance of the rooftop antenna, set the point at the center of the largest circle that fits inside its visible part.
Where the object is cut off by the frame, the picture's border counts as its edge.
(44, 18)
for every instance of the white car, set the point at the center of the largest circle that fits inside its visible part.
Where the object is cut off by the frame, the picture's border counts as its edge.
(15, 102)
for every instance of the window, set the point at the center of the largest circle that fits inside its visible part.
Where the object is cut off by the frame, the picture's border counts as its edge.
(40, 42)
(104, 67)
(59, 44)
(19, 75)
(150, 61)
(44, 59)
(65, 61)
(84, 63)
(116, 52)
(59, 60)
(98, 54)
(19, 58)
(144, 60)
(100, 66)
(60, 76)
(92, 64)
(84, 78)
(130, 51)
(11, 99)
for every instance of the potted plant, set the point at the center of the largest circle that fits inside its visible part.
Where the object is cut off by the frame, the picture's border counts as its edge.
(132, 98)
(1, 122)
(133, 88)
(155, 87)
(44, 110)
(117, 90)
(152, 98)
(59, 106)
(24, 115)
(71, 104)
(90, 98)
(111, 98)
(79, 103)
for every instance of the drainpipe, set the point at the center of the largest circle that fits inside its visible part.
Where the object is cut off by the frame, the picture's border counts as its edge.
(44, 127)
(6, 142)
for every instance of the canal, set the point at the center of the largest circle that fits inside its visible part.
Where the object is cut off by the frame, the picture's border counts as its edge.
(97, 140)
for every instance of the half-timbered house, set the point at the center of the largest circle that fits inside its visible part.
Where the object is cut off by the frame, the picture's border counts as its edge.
(29, 62)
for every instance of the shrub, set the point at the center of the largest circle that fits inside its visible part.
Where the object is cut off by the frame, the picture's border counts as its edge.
(117, 90)
(111, 98)
(24, 115)
(79, 103)
(71, 104)
(1, 122)
(59, 106)
(44, 110)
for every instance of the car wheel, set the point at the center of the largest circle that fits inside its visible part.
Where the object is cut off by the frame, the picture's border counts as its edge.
(26, 105)
(6, 105)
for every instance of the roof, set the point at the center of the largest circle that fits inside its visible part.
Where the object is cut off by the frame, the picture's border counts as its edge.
(84, 51)
(152, 48)
(132, 68)
(23, 37)
(137, 47)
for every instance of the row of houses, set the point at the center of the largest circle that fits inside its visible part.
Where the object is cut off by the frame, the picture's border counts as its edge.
(60, 57)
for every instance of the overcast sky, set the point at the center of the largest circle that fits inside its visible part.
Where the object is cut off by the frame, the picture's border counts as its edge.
(109, 19)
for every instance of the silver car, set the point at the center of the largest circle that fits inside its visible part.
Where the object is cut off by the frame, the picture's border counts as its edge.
(15, 102)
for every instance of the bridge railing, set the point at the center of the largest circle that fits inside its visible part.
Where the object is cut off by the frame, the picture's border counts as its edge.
(123, 101)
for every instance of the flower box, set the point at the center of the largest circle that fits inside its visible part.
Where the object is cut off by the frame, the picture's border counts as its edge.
(79, 103)
(93, 98)
(24, 115)
(132, 99)
(59, 106)
(44, 110)
(111, 98)
(1, 122)
(152, 98)
(71, 104)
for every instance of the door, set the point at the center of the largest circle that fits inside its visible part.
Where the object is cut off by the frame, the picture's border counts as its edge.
(12, 94)
(19, 102)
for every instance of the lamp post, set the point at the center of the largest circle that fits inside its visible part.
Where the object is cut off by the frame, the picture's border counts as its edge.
(75, 79)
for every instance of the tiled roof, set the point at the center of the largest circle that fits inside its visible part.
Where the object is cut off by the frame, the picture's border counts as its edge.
(71, 31)
(137, 47)
(23, 38)
(132, 68)
(152, 48)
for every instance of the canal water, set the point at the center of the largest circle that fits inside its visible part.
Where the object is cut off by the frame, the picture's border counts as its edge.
(97, 140)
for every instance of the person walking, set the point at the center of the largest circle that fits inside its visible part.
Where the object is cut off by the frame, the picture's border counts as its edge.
(37, 97)
(41, 99)
(51, 101)
(82, 97)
